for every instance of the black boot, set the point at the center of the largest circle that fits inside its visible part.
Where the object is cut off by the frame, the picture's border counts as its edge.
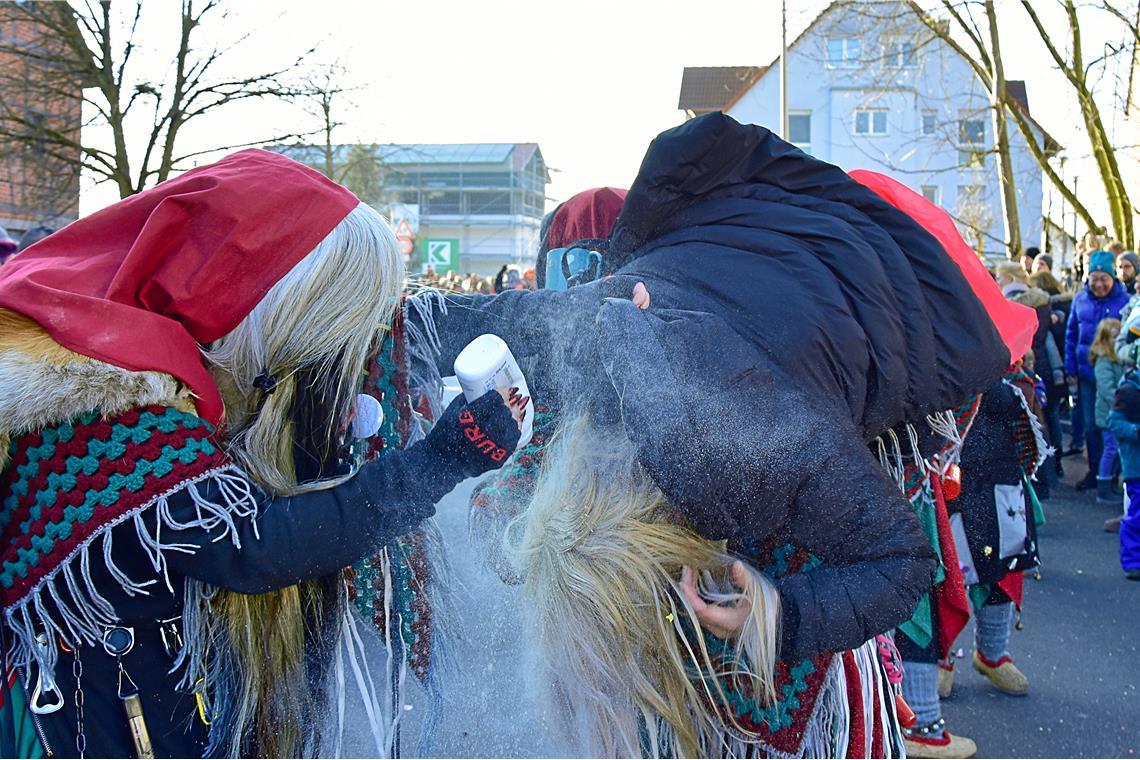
(1104, 494)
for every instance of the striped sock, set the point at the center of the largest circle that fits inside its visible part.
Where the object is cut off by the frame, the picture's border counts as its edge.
(920, 690)
(992, 639)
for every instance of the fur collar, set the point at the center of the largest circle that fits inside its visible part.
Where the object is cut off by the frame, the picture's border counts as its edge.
(41, 382)
(1033, 298)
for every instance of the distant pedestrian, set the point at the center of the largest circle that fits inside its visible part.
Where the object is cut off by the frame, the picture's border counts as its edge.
(1028, 259)
(8, 246)
(1011, 278)
(1102, 298)
(1124, 422)
(1127, 265)
(999, 517)
(1049, 366)
(1042, 263)
(34, 235)
(1108, 370)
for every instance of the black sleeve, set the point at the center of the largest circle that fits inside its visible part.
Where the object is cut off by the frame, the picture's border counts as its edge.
(546, 330)
(301, 537)
(876, 560)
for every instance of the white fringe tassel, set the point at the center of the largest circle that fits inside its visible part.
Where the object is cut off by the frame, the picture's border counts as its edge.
(829, 729)
(65, 604)
(423, 346)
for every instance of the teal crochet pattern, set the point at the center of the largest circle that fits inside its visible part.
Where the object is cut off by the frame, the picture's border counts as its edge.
(65, 484)
(782, 724)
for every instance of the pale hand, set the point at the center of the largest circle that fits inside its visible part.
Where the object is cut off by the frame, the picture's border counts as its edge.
(641, 296)
(721, 621)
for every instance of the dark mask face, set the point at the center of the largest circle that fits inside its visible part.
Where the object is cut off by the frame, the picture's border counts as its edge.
(320, 445)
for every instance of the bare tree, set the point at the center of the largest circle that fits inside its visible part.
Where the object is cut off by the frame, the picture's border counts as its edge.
(983, 54)
(898, 51)
(321, 96)
(1077, 72)
(324, 95)
(77, 52)
(959, 22)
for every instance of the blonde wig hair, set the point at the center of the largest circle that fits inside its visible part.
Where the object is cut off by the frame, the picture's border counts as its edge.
(318, 323)
(602, 551)
(312, 332)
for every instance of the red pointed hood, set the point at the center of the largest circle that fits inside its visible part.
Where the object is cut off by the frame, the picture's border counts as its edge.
(144, 283)
(588, 215)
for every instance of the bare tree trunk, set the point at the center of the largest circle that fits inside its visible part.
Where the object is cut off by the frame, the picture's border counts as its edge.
(329, 125)
(79, 55)
(1001, 141)
(1043, 161)
(1119, 205)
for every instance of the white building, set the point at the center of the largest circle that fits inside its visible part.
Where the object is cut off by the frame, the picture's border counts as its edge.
(479, 205)
(487, 199)
(869, 87)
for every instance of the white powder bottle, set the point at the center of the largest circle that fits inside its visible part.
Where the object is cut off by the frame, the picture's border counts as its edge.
(486, 364)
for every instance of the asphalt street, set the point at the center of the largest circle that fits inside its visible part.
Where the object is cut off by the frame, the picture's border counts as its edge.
(1080, 648)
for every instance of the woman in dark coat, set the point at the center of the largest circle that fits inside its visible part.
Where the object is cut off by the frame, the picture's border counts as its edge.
(797, 317)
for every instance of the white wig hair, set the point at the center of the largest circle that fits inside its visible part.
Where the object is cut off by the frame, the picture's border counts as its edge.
(602, 550)
(312, 333)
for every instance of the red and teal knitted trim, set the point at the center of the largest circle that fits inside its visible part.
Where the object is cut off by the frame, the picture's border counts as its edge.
(405, 558)
(1028, 437)
(512, 487)
(781, 725)
(66, 483)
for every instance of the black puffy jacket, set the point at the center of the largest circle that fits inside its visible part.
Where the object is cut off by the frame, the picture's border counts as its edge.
(795, 317)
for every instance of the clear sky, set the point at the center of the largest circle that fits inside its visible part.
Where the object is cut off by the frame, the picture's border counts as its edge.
(592, 81)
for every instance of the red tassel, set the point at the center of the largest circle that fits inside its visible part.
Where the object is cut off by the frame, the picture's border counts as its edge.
(906, 715)
(952, 483)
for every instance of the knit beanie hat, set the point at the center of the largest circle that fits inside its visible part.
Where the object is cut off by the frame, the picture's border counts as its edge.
(1102, 261)
(1131, 258)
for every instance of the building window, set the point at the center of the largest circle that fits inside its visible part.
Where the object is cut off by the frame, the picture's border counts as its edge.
(443, 203)
(870, 121)
(901, 55)
(441, 179)
(488, 202)
(928, 123)
(972, 131)
(799, 130)
(486, 179)
(844, 52)
(932, 193)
